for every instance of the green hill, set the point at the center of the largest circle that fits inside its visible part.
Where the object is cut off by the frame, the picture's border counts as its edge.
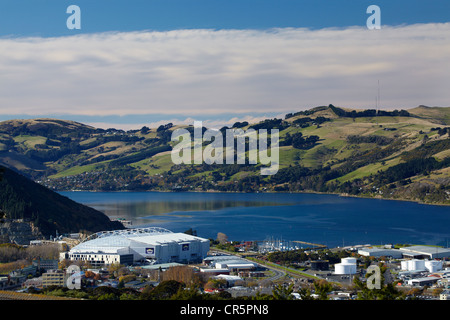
(323, 149)
(21, 198)
(434, 114)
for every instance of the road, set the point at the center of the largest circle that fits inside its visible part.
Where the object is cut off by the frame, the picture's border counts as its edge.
(279, 272)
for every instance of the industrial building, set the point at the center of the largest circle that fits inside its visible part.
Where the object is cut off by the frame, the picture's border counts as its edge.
(424, 281)
(425, 252)
(226, 264)
(381, 252)
(412, 252)
(230, 263)
(320, 265)
(129, 246)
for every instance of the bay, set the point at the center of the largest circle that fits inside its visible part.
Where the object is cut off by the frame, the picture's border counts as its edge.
(326, 219)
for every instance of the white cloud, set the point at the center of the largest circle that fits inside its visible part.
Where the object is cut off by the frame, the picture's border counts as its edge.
(202, 72)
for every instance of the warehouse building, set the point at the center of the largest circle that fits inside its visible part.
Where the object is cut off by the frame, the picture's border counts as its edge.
(129, 246)
(231, 263)
(380, 252)
(425, 252)
(425, 281)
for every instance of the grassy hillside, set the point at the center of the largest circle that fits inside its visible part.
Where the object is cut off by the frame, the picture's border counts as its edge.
(324, 149)
(434, 114)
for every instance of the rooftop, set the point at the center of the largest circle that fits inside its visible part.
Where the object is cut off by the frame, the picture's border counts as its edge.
(426, 250)
(162, 266)
(113, 241)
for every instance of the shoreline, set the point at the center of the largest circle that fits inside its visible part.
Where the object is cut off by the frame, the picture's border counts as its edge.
(261, 192)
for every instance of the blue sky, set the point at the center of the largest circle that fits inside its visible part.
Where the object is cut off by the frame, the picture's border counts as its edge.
(140, 62)
(47, 17)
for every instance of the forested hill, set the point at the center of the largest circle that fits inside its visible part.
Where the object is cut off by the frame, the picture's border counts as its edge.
(397, 154)
(21, 198)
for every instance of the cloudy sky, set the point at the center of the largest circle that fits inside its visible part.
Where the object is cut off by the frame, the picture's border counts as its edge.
(136, 63)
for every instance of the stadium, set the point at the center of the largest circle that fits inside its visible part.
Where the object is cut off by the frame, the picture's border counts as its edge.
(140, 245)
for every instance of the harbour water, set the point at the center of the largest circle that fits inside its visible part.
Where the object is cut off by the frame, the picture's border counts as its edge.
(330, 220)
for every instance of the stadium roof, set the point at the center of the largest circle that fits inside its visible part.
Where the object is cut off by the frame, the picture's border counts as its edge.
(129, 232)
(112, 241)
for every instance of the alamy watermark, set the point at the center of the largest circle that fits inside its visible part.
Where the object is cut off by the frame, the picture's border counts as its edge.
(74, 20)
(374, 21)
(228, 147)
(374, 280)
(74, 279)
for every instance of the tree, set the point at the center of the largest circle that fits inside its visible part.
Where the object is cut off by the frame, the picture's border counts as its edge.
(222, 238)
(145, 130)
(214, 284)
(115, 268)
(164, 290)
(183, 274)
(322, 288)
(281, 292)
(187, 294)
(305, 294)
(386, 292)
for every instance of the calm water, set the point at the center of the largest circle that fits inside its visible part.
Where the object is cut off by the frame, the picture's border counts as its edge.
(326, 219)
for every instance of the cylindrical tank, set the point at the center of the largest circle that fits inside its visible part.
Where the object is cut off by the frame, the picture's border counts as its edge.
(404, 265)
(433, 265)
(348, 260)
(415, 265)
(344, 268)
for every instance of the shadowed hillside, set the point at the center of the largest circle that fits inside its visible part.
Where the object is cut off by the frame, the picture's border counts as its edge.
(21, 198)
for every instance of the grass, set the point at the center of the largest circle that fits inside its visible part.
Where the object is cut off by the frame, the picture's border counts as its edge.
(158, 164)
(433, 113)
(29, 142)
(288, 155)
(443, 154)
(77, 170)
(365, 171)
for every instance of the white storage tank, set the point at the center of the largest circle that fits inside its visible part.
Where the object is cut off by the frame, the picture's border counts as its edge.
(416, 265)
(404, 264)
(344, 268)
(433, 265)
(348, 260)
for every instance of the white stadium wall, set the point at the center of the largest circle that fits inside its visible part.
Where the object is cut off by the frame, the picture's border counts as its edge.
(155, 244)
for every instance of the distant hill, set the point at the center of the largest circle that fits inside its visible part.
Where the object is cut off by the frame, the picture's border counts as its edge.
(21, 198)
(435, 114)
(397, 154)
(43, 127)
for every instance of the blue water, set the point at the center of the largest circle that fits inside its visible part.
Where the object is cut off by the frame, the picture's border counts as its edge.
(326, 219)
